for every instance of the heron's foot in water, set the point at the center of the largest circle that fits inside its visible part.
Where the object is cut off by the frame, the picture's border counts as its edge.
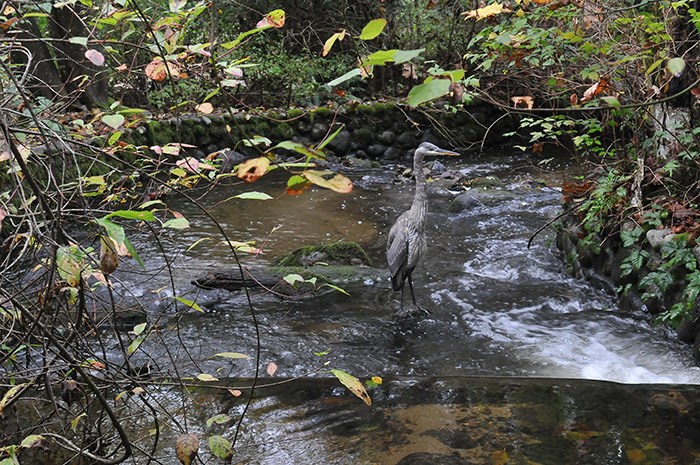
(411, 311)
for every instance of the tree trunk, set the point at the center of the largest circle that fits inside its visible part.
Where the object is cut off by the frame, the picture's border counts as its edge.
(83, 80)
(44, 78)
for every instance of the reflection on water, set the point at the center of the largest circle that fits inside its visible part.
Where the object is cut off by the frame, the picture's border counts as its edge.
(470, 421)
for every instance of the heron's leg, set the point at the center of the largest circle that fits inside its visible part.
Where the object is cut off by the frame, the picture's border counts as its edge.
(413, 294)
(401, 311)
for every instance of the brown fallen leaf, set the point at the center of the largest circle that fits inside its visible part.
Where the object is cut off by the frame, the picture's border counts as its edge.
(524, 101)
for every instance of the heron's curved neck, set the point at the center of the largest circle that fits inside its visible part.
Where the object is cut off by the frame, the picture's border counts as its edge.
(420, 204)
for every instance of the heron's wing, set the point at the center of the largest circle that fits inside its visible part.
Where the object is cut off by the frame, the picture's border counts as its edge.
(397, 252)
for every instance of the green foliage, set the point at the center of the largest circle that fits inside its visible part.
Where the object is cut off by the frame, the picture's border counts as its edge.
(298, 77)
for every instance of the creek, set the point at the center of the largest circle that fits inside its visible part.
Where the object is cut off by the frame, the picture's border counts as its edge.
(516, 360)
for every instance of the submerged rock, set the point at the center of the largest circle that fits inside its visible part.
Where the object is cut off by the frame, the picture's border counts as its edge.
(477, 197)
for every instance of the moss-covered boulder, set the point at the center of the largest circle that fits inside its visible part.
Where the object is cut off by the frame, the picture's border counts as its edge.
(337, 253)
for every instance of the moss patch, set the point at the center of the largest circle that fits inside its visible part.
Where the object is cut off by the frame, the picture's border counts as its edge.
(337, 253)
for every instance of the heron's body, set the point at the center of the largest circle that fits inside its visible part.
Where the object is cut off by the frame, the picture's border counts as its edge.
(406, 241)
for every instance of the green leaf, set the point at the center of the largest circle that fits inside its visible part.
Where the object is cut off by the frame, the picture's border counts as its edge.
(151, 203)
(211, 94)
(190, 303)
(143, 215)
(296, 183)
(233, 355)
(133, 252)
(253, 196)
(220, 447)
(300, 148)
(197, 242)
(429, 90)
(612, 101)
(345, 77)
(135, 344)
(131, 111)
(402, 56)
(177, 223)
(293, 278)
(218, 419)
(653, 66)
(336, 288)
(70, 261)
(328, 139)
(373, 29)
(675, 66)
(239, 39)
(454, 75)
(113, 230)
(31, 440)
(206, 377)
(36, 15)
(380, 57)
(114, 138)
(78, 40)
(138, 329)
(113, 121)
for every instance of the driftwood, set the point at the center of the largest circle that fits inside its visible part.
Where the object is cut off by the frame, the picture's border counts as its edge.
(317, 279)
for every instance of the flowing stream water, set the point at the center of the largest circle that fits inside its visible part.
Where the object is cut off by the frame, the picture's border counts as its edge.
(498, 310)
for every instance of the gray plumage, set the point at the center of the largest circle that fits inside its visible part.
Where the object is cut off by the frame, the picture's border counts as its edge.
(406, 241)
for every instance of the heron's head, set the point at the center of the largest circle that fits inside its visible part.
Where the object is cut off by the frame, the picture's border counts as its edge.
(428, 149)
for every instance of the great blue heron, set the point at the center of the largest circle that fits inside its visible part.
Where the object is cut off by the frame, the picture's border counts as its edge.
(406, 240)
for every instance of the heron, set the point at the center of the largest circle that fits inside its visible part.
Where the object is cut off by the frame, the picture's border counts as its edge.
(406, 240)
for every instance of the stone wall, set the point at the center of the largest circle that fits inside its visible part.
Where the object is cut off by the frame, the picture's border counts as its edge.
(605, 270)
(379, 131)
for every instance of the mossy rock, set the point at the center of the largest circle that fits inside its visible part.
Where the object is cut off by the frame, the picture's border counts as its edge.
(338, 253)
(487, 182)
(160, 133)
(322, 111)
(295, 112)
(281, 131)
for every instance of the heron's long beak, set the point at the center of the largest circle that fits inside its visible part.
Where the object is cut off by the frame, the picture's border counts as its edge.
(447, 153)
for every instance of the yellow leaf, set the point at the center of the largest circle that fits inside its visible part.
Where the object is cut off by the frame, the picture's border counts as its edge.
(331, 40)
(234, 355)
(205, 377)
(206, 108)
(10, 395)
(272, 19)
(337, 183)
(354, 385)
(485, 12)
